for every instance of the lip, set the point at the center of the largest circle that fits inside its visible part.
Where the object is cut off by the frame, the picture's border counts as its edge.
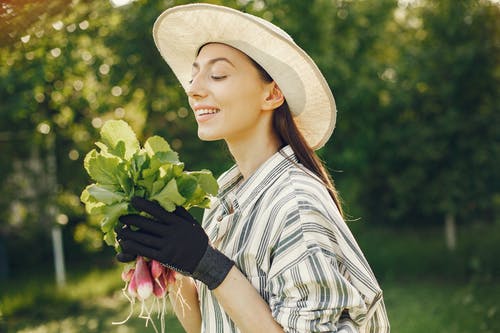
(205, 112)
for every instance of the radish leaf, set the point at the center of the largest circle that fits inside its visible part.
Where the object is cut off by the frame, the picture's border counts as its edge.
(114, 131)
(107, 194)
(122, 169)
(169, 193)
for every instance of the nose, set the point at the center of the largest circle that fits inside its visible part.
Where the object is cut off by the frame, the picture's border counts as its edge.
(196, 88)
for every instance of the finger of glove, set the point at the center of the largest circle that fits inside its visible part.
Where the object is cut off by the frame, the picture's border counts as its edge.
(140, 237)
(146, 224)
(184, 214)
(125, 257)
(154, 209)
(131, 246)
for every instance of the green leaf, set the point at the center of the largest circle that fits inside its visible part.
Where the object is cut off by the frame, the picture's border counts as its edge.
(204, 203)
(119, 150)
(140, 192)
(187, 185)
(111, 214)
(92, 206)
(156, 144)
(207, 181)
(158, 185)
(165, 171)
(152, 167)
(137, 162)
(85, 196)
(147, 184)
(169, 194)
(102, 146)
(110, 238)
(177, 169)
(101, 168)
(108, 194)
(167, 157)
(123, 178)
(167, 204)
(114, 131)
(196, 198)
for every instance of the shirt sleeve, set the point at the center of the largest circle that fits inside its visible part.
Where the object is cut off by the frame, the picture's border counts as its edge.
(308, 285)
(347, 326)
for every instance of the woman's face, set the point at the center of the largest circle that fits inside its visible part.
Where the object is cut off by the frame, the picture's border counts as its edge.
(228, 96)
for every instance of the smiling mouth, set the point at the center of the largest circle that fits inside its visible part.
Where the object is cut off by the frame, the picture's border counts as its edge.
(203, 112)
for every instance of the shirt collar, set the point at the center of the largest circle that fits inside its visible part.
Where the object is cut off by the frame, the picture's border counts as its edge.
(234, 187)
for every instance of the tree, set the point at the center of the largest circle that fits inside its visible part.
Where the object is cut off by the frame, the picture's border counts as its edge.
(62, 76)
(435, 155)
(415, 85)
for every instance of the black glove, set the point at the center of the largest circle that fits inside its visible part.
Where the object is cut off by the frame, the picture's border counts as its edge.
(175, 239)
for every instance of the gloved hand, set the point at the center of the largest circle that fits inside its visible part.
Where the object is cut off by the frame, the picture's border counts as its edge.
(175, 239)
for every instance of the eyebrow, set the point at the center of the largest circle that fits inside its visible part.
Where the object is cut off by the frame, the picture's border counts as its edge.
(212, 61)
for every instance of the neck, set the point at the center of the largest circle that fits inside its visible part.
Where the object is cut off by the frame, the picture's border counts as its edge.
(249, 156)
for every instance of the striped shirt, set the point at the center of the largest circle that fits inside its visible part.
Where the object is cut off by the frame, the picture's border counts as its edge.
(286, 235)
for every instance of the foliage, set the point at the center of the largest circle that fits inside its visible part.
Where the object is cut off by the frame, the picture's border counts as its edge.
(416, 85)
(437, 134)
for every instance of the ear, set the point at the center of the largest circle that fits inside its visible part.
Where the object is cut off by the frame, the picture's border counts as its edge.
(273, 97)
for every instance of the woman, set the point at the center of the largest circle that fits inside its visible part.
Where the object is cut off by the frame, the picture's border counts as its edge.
(274, 254)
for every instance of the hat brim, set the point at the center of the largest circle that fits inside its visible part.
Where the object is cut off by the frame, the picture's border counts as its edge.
(180, 31)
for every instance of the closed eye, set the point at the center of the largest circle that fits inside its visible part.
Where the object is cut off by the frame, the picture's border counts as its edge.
(214, 77)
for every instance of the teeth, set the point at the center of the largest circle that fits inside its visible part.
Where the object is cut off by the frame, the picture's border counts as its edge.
(201, 112)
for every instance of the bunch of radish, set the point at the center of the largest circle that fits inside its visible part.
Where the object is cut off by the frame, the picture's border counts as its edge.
(121, 168)
(147, 280)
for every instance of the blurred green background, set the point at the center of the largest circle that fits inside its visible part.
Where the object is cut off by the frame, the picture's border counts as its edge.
(414, 154)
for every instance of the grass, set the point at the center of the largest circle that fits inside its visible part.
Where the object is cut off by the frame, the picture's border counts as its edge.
(430, 306)
(89, 302)
(92, 300)
(427, 289)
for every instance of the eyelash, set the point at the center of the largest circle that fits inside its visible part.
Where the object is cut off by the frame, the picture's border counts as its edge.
(214, 77)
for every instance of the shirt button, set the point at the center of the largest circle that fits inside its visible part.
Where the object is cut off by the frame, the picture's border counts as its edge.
(219, 218)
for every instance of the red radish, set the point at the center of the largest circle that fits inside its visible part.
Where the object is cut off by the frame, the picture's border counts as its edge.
(132, 287)
(127, 274)
(158, 273)
(143, 279)
(156, 269)
(160, 287)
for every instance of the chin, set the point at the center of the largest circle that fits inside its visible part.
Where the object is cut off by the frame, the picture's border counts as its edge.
(208, 136)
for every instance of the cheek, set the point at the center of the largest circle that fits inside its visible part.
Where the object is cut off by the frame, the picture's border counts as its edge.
(242, 114)
(244, 101)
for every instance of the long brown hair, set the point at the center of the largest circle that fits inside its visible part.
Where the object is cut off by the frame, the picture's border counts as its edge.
(289, 134)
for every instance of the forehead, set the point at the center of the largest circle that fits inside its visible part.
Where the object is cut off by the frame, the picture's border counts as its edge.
(218, 50)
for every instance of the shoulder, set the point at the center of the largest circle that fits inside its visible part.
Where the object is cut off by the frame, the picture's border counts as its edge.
(304, 189)
(300, 205)
(309, 205)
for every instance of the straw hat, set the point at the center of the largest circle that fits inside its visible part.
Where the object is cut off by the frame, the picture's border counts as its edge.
(180, 31)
